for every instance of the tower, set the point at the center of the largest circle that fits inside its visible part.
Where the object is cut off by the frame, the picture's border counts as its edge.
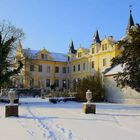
(96, 38)
(130, 22)
(71, 48)
(19, 53)
(72, 51)
(96, 42)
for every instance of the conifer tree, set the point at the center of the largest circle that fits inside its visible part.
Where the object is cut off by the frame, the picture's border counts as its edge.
(129, 59)
(9, 35)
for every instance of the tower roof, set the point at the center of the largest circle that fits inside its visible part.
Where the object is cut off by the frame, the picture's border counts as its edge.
(96, 38)
(71, 48)
(130, 22)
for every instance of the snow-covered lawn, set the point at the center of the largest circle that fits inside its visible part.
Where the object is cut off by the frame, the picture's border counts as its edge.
(40, 120)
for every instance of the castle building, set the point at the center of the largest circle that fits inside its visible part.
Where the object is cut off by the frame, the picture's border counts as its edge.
(43, 69)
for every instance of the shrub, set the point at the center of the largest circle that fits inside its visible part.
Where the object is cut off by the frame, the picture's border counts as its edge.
(94, 83)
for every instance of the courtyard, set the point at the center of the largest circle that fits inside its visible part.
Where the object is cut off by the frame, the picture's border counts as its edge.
(41, 120)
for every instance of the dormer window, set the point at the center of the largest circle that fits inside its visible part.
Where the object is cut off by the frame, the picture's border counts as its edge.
(104, 47)
(79, 54)
(43, 56)
(68, 58)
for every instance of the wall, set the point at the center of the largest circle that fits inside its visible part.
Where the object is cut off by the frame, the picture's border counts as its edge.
(117, 95)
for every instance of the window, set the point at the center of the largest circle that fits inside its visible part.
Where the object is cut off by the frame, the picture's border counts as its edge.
(78, 67)
(48, 69)
(44, 56)
(68, 69)
(57, 83)
(92, 50)
(68, 58)
(31, 67)
(74, 68)
(39, 68)
(48, 83)
(79, 54)
(84, 66)
(64, 69)
(92, 64)
(56, 69)
(104, 62)
(103, 47)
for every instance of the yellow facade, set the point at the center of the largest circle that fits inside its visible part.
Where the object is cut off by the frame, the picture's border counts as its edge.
(43, 68)
(96, 59)
(79, 64)
(101, 54)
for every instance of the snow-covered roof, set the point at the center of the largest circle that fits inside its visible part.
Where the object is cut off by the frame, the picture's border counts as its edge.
(114, 70)
(58, 56)
(55, 56)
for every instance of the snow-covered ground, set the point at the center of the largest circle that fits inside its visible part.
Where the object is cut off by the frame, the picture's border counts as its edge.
(40, 120)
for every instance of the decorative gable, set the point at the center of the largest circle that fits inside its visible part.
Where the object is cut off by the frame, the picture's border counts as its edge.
(81, 52)
(44, 55)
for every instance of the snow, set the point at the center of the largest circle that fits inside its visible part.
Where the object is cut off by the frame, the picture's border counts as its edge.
(40, 120)
(58, 56)
(115, 70)
(55, 56)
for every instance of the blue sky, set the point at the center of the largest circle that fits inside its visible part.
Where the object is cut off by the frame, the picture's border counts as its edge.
(53, 23)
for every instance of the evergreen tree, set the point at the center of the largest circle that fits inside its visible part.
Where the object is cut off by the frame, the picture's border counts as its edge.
(129, 59)
(9, 35)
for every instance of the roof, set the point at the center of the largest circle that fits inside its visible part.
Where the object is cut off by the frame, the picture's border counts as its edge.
(115, 70)
(58, 56)
(55, 56)
(130, 22)
(71, 48)
(96, 38)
